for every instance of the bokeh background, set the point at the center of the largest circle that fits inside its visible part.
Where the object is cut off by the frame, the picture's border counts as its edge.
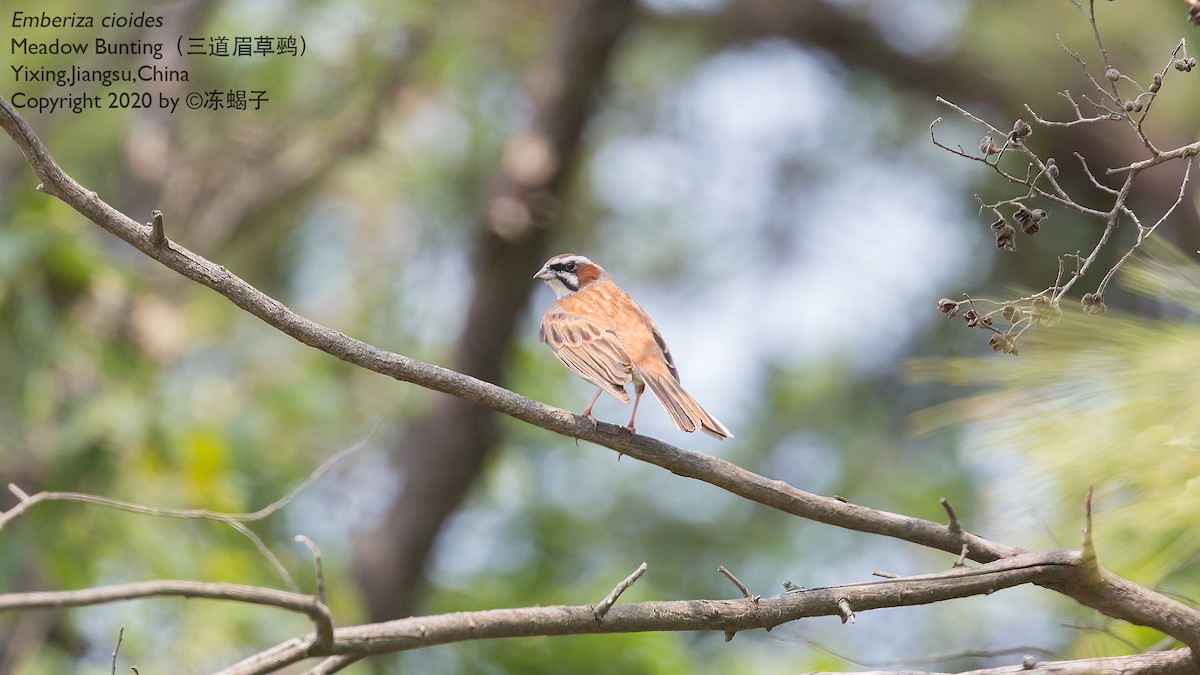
(757, 173)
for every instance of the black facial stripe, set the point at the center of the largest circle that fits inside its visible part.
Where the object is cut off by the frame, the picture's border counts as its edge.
(565, 271)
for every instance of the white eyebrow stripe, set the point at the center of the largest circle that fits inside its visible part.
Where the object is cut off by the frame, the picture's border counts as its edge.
(577, 259)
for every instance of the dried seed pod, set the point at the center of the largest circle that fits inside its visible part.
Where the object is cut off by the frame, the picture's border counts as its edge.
(1052, 168)
(1128, 106)
(1021, 129)
(947, 306)
(1003, 342)
(1006, 238)
(999, 225)
(1033, 222)
(1012, 313)
(1049, 315)
(1093, 304)
(1022, 215)
(971, 317)
(1112, 74)
(988, 146)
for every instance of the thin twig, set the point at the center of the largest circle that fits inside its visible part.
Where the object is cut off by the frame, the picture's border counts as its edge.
(844, 608)
(953, 524)
(158, 234)
(1092, 177)
(1162, 76)
(1056, 195)
(1089, 561)
(316, 554)
(1107, 631)
(1079, 119)
(611, 599)
(25, 501)
(255, 595)
(737, 582)
(962, 557)
(117, 649)
(335, 664)
(1145, 232)
(935, 657)
(234, 520)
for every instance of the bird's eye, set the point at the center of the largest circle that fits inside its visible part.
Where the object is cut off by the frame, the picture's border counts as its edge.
(570, 267)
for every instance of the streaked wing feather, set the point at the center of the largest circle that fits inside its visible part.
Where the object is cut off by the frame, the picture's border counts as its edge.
(585, 347)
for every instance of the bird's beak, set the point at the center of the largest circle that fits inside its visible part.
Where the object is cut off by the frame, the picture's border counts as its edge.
(545, 274)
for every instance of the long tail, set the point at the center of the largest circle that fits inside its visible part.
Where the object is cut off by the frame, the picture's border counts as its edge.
(683, 410)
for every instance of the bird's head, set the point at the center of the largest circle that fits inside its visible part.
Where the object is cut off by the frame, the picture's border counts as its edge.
(569, 273)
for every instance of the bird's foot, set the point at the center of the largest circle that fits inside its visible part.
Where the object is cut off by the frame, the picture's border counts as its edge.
(587, 415)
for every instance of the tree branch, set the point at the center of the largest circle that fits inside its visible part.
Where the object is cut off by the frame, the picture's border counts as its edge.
(308, 605)
(237, 521)
(728, 616)
(1173, 662)
(1043, 308)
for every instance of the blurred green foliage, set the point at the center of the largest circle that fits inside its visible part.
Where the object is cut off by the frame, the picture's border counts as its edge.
(1105, 402)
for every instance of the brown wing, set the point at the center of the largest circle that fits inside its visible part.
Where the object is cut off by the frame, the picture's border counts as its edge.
(595, 354)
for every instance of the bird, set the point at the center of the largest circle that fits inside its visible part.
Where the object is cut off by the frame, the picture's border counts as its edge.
(601, 334)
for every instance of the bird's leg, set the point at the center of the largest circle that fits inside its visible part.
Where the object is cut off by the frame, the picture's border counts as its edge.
(587, 412)
(638, 388)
